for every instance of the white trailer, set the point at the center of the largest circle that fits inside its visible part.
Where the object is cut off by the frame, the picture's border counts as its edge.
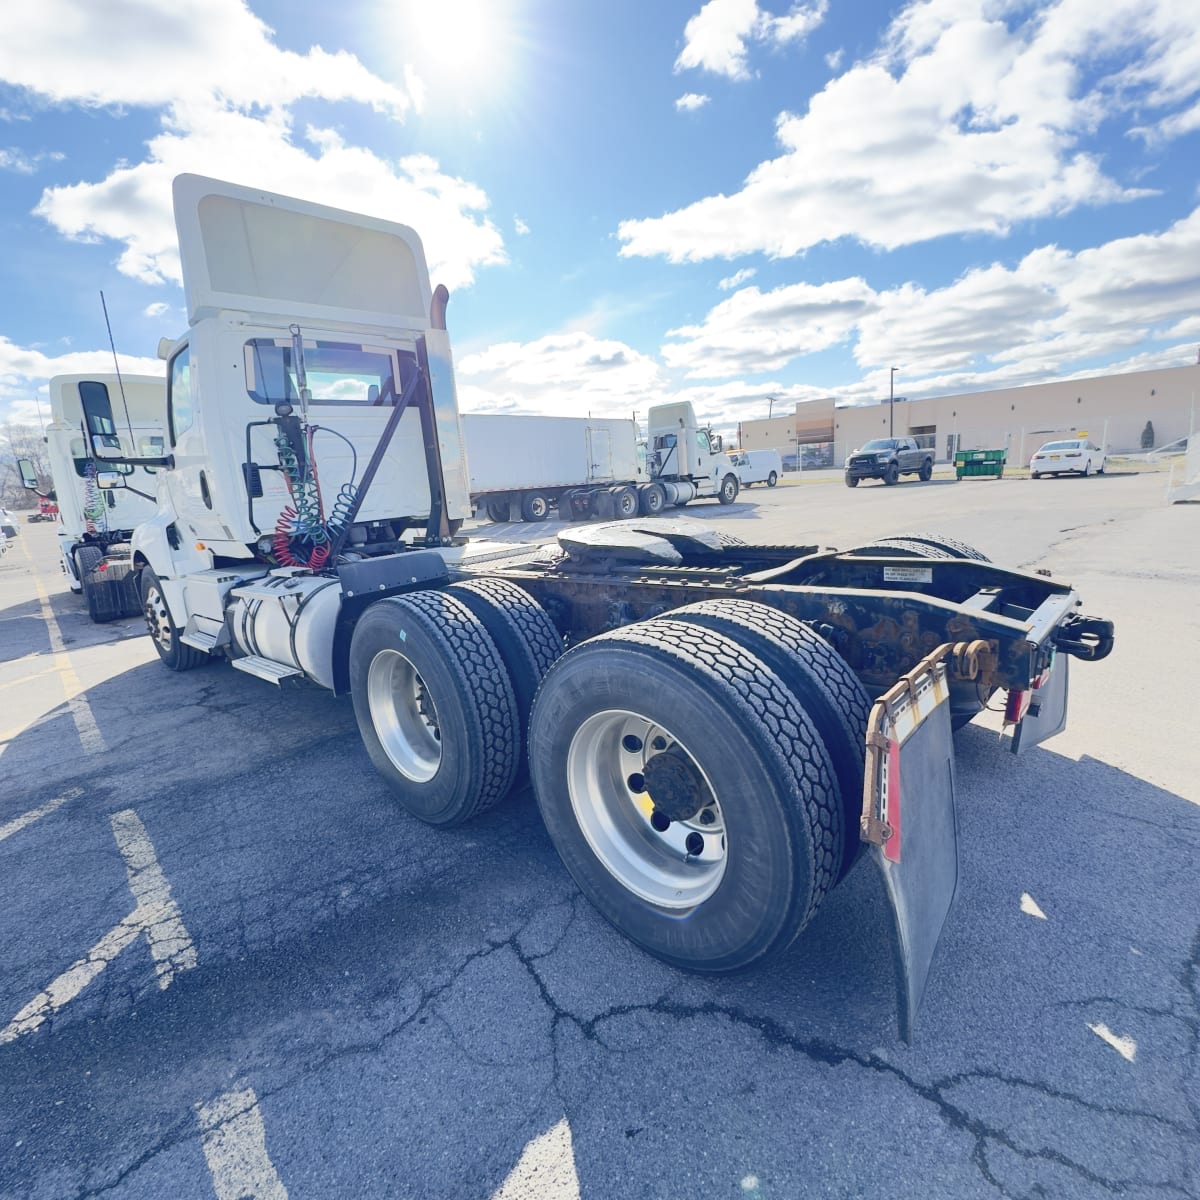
(521, 466)
(705, 756)
(124, 414)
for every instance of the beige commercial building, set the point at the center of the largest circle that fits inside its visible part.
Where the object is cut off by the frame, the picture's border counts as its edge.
(1109, 409)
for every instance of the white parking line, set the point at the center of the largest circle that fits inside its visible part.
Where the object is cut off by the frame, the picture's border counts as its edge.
(36, 814)
(546, 1169)
(81, 711)
(235, 1147)
(156, 915)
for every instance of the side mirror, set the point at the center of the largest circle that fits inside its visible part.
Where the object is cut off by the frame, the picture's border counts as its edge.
(29, 477)
(107, 480)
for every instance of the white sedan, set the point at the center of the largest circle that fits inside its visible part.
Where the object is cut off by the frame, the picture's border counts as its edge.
(1060, 458)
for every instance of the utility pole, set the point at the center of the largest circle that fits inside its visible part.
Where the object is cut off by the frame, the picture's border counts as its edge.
(770, 407)
(892, 402)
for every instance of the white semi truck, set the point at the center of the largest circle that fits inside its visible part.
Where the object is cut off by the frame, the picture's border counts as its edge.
(523, 466)
(695, 715)
(121, 413)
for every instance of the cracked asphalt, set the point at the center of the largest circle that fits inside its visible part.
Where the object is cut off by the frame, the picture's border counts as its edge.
(412, 1009)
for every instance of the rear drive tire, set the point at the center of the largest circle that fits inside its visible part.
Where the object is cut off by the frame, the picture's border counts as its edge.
(435, 707)
(729, 489)
(525, 636)
(821, 680)
(497, 511)
(625, 502)
(164, 633)
(940, 541)
(651, 499)
(736, 854)
(534, 506)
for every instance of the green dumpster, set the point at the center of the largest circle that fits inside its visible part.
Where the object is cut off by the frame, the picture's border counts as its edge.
(971, 464)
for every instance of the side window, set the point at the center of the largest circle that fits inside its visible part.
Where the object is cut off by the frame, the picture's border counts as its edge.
(179, 395)
(702, 442)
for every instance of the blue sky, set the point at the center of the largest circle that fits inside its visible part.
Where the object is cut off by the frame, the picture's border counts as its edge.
(633, 202)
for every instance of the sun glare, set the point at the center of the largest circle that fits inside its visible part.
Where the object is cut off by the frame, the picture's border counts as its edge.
(459, 40)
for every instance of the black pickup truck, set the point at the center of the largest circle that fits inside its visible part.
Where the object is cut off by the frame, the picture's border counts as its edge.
(888, 459)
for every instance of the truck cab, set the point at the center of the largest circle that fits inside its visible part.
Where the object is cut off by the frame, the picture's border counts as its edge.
(688, 455)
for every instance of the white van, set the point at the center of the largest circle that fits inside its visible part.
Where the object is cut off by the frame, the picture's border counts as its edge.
(757, 466)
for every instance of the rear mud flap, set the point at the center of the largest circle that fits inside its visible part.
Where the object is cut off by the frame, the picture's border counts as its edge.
(1047, 712)
(910, 822)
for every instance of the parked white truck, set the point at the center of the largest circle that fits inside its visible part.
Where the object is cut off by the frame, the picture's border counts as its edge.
(122, 413)
(523, 466)
(705, 754)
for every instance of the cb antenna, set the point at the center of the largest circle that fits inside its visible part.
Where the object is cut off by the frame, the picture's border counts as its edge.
(120, 381)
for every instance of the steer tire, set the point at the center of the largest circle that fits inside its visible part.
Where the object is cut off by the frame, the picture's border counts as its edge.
(763, 869)
(729, 489)
(851, 482)
(450, 769)
(892, 474)
(527, 640)
(164, 633)
(821, 680)
(940, 541)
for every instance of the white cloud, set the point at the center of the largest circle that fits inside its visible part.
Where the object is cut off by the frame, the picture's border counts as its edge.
(24, 164)
(226, 89)
(736, 279)
(520, 226)
(968, 120)
(155, 52)
(690, 101)
(716, 38)
(833, 60)
(1054, 313)
(25, 371)
(567, 374)
(133, 205)
(157, 309)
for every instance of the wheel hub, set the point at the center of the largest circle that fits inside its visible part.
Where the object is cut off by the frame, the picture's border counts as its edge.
(675, 785)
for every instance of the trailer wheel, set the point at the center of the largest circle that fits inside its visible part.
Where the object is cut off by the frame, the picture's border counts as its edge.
(686, 792)
(729, 489)
(651, 499)
(164, 633)
(525, 636)
(625, 502)
(821, 680)
(497, 511)
(435, 706)
(940, 541)
(772, 479)
(534, 506)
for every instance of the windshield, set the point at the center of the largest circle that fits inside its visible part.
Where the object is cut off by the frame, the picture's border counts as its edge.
(1060, 446)
(880, 444)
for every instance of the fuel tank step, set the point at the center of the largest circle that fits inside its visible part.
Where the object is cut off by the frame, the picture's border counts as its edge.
(265, 668)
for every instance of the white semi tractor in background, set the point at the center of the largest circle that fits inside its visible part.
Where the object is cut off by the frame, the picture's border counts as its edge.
(694, 714)
(122, 414)
(521, 466)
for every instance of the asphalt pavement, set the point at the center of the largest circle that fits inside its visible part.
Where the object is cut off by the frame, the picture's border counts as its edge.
(232, 967)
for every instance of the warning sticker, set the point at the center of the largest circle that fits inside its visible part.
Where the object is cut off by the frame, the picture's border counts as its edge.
(908, 574)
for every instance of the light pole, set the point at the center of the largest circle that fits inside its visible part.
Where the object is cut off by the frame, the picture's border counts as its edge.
(770, 407)
(892, 402)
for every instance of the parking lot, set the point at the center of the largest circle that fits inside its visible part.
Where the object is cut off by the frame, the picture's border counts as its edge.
(233, 967)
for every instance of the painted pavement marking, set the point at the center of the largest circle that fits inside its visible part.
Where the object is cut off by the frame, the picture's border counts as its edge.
(235, 1147)
(36, 814)
(156, 915)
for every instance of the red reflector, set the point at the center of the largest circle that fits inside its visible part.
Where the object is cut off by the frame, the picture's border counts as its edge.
(1017, 705)
(891, 848)
(102, 567)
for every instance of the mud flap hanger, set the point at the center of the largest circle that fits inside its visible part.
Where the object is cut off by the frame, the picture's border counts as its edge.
(908, 816)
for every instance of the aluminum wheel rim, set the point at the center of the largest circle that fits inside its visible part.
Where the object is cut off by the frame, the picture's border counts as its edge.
(605, 764)
(158, 620)
(404, 716)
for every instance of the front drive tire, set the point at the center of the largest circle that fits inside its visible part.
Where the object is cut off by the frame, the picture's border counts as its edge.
(742, 839)
(729, 489)
(164, 633)
(435, 706)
